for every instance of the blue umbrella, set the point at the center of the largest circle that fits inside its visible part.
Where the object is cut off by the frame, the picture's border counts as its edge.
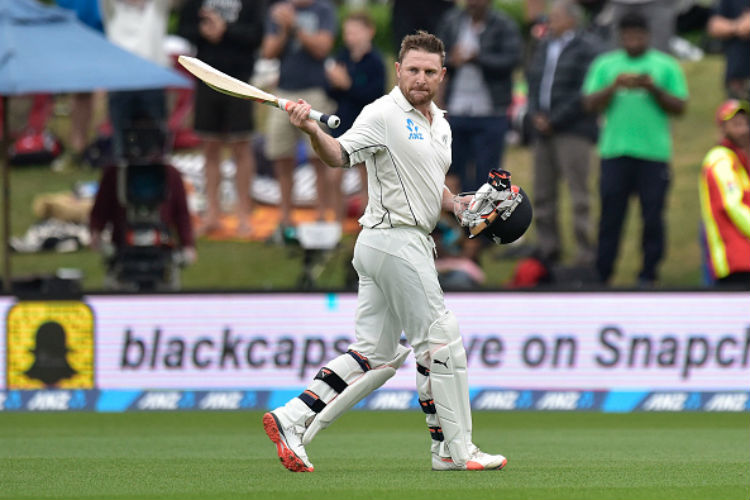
(45, 49)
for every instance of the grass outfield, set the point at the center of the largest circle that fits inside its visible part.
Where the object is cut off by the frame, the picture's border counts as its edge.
(373, 456)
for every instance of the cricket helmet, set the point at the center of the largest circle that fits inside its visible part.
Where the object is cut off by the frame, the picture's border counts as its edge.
(511, 222)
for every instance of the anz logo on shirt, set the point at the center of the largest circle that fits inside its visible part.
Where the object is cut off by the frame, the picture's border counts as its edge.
(414, 132)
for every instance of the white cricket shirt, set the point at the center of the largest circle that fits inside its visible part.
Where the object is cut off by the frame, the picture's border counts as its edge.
(406, 158)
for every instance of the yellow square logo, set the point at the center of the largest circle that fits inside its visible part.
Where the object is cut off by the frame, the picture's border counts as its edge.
(50, 344)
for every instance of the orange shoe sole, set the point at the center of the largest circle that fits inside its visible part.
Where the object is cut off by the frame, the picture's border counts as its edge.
(288, 458)
(476, 466)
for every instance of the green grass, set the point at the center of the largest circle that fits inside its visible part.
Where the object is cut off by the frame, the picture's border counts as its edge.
(374, 455)
(232, 265)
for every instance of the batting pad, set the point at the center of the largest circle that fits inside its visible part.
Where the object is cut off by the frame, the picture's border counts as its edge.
(354, 393)
(450, 389)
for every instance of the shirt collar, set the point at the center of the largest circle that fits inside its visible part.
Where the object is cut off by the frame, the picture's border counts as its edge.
(406, 106)
(565, 38)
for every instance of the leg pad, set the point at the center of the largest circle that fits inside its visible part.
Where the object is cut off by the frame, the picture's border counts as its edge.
(354, 393)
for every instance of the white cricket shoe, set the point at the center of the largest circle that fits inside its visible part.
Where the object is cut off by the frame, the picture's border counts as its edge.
(478, 460)
(288, 444)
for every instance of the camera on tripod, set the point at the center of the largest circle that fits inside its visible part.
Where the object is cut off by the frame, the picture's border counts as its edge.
(146, 256)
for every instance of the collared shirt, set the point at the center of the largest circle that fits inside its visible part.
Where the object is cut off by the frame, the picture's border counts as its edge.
(406, 157)
(554, 49)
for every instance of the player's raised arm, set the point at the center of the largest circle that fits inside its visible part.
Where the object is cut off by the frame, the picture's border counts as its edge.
(329, 150)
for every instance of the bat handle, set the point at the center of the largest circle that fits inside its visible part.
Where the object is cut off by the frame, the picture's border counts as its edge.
(484, 224)
(332, 121)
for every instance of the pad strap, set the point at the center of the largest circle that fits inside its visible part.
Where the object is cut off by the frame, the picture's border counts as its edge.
(428, 406)
(312, 400)
(436, 433)
(332, 379)
(423, 370)
(362, 361)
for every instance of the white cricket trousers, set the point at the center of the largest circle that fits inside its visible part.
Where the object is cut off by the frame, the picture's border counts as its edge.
(398, 292)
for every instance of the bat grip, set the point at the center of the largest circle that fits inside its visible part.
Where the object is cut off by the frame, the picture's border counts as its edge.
(332, 121)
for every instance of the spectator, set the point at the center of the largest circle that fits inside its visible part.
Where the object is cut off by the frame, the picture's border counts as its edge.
(355, 80)
(227, 35)
(82, 103)
(564, 132)
(636, 89)
(731, 23)
(300, 34)
(592, 7)
(139, 27)
(483, 46)
(535, 10)
(457, 261)
(725, 198)
(410, 16)
(661, 16)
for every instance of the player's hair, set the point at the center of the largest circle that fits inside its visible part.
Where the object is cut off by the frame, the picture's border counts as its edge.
(361, 16)
(633, 20)
(421, 40)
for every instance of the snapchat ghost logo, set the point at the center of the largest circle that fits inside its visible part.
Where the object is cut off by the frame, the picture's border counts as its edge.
(50, 355)
(50, 345)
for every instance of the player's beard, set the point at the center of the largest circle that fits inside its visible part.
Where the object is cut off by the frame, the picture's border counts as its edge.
(421, 97)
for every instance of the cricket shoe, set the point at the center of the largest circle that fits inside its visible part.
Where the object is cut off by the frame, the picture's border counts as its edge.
(288, 444)
(478, 460)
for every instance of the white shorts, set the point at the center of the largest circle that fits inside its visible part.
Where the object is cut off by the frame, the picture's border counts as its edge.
(398, 292)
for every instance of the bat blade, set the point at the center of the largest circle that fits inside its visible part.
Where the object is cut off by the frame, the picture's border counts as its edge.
(221, 82)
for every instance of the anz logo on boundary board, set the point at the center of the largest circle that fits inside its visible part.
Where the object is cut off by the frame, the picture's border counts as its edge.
(414, 132)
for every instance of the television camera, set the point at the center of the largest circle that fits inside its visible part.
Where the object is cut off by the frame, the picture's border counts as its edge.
(147, 257)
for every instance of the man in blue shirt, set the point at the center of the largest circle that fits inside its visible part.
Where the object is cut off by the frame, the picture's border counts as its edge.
(300, 33)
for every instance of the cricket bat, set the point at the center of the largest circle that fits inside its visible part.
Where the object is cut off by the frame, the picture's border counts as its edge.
(221, 82)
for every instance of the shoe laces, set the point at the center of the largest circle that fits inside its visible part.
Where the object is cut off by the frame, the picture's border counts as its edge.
(474, 451)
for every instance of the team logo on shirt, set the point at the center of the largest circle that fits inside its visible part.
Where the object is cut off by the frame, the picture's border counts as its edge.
(414, 132)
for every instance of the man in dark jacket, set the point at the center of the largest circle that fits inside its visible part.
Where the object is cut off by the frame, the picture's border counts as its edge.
(482, 48)
(563, 132)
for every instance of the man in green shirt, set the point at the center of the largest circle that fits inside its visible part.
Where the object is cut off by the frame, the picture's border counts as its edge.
(636, 89)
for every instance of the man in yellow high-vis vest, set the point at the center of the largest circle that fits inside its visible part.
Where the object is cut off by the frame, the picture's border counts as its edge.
(725, 198)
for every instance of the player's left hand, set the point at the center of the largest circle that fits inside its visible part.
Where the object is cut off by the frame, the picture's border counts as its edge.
(494, 195)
